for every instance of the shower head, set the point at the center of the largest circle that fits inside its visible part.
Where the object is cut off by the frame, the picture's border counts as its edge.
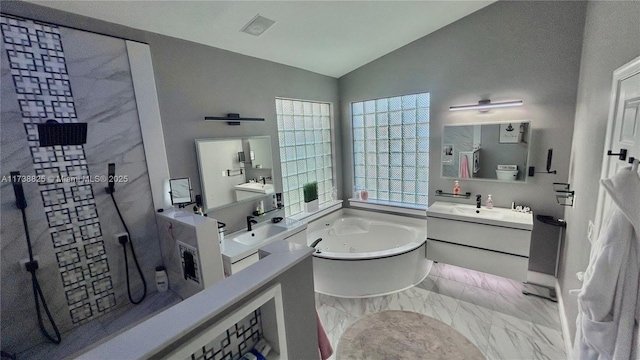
(53, 133)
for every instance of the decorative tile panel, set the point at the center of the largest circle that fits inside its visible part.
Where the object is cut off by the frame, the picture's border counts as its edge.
(41, 82)
(235, 342)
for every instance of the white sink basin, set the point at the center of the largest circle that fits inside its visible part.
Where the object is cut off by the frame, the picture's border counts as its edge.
(468, 212)
(243, 243)
(260, 234)
(256, 188)
(475, 212)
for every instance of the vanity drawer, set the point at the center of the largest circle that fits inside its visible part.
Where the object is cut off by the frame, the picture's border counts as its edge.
(232, 268)
(509, 266)
(498, 238)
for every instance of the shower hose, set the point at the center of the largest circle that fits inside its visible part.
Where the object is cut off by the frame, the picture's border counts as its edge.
(133, 254)
(37, 291)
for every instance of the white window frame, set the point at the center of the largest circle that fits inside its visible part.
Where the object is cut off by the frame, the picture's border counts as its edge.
(293, 196)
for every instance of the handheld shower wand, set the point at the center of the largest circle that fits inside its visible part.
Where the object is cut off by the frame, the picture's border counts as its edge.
(32, 265)
(124, 239)
(111, 178)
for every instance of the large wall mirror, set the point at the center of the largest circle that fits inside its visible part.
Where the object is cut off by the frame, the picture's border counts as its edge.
(228, 168)
(489, 151)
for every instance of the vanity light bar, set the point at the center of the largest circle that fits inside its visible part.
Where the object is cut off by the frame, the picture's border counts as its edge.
(485, 105)
(232, 118)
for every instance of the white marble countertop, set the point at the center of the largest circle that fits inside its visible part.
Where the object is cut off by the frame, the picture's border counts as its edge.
(185, 216)
(496, 216)
(234, 251)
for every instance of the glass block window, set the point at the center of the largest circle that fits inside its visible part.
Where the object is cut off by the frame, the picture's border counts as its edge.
(304, 135)
(391, 148)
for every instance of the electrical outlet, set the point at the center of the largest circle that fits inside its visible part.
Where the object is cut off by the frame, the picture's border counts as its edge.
(590, 231)
(24, 261)
(117, 236)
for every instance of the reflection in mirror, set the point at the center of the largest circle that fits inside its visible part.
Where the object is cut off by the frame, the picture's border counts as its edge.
(489, 151)
(234, 169)
(180, 191)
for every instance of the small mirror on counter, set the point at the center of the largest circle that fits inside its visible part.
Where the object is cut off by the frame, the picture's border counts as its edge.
(180, 191)
(234, 170)
(488, 151)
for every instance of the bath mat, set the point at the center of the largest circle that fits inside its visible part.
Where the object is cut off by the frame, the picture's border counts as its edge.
(404, 335)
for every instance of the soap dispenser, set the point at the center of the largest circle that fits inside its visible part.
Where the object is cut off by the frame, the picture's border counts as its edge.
(489, 202)
(456, 188)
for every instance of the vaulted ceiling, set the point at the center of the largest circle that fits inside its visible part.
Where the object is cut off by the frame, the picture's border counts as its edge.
(327, 37)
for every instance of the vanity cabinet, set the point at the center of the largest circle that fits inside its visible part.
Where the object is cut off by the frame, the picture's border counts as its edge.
(494, 241)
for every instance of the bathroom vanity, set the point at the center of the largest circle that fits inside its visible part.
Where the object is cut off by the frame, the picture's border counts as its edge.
(494, 241)
(240, 249)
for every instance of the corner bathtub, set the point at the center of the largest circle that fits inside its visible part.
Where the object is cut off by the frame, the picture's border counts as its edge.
(364, 254)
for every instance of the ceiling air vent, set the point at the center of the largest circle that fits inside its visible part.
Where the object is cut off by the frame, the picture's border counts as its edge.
(257, 26)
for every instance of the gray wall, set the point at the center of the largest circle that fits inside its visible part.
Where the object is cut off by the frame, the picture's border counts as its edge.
(610, 40)
(508, 50)
(215, 82)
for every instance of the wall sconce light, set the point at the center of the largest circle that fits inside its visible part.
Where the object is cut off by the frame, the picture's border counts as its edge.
(232, 119)
(485, 105)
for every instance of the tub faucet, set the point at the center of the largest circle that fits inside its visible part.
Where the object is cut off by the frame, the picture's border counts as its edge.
(313, 244)
(478, 201)
(250, 221)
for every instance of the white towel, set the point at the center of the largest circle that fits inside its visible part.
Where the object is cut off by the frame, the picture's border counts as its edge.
(609, 297)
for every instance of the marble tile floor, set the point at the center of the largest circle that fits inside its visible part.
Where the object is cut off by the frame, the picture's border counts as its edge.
(83, 337)
(490, 311)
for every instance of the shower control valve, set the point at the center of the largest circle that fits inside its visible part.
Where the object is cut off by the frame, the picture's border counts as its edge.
(122, 238)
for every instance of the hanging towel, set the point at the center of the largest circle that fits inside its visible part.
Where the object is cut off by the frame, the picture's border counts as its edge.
(608, 301)
(464, 167)
(324, 345)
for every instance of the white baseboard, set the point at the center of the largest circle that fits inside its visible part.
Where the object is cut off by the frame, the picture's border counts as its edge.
(568, 347)
(541, 279)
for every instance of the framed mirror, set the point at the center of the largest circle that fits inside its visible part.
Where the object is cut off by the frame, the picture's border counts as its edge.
(180, 190)
(234, 170)
(489, 151)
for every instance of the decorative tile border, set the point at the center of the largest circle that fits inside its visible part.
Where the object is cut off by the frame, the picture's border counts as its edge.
(42, 86)
(235, 342)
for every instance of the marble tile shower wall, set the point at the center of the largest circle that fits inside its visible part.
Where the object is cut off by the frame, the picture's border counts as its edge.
(50, 72)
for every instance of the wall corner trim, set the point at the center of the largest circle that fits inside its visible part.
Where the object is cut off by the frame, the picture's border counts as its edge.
(144, 85)
(566, 335)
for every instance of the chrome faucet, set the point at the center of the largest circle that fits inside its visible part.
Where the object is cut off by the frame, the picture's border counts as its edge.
(250, 221)
(264, 180)
(478, 201)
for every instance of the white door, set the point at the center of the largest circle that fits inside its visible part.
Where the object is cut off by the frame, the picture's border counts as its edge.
(623, 129)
